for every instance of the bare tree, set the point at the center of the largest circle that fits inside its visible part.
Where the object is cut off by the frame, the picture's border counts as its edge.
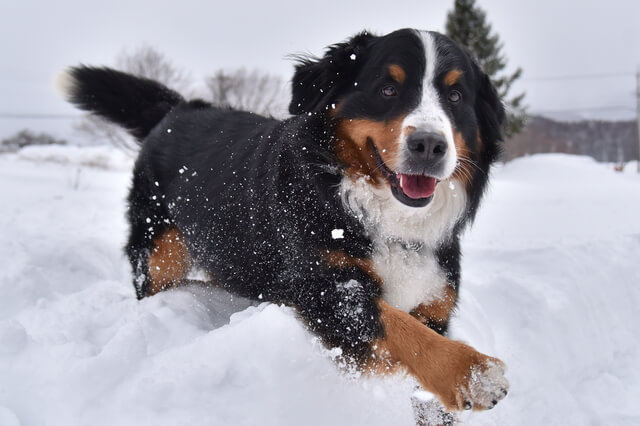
(254, 91)
(146, 62)
(98, 130)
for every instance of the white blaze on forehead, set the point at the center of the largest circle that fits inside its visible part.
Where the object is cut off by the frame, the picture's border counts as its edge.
(429, 115)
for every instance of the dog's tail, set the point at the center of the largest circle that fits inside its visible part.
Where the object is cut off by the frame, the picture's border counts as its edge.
(135, 103)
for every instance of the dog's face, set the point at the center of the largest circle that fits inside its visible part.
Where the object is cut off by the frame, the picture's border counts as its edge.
(411, 110)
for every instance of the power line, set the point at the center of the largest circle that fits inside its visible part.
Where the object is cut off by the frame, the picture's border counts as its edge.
(579, 76)
(595, 76)
(587, 109)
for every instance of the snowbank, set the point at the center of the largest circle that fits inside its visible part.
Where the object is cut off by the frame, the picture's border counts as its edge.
(549, 285)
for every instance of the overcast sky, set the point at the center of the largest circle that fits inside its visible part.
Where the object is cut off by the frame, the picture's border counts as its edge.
(547, 38)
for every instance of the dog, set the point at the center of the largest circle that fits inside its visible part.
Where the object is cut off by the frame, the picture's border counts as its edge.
(350, 210)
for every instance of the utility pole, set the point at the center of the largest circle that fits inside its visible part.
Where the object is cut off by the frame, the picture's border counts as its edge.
(638, 111)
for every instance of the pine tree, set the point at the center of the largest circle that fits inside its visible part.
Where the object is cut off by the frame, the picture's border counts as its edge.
(467, 25)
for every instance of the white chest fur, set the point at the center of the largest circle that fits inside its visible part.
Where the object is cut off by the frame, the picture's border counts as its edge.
(410, 277)
(405, 238)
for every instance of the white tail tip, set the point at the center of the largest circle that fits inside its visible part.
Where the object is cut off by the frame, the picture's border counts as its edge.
(64, 84)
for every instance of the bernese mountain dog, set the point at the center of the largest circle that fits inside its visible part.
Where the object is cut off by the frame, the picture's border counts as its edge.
(350, 210)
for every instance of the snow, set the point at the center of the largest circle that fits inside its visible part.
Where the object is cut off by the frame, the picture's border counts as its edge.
(550, 278)
(337, 234)
(100, 156)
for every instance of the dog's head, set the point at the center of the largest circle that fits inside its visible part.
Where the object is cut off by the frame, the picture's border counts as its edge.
(411, 110)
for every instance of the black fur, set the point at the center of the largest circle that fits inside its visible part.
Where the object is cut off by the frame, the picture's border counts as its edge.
(257, 198)
(137, 104)
(319, 82)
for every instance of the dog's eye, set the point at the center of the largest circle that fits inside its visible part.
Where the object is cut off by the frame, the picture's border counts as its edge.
(389, 91)
(455, 96)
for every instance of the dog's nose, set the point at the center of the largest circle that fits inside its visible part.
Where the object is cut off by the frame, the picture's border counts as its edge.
(427, 145)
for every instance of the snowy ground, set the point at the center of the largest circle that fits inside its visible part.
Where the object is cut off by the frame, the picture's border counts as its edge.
(550, 285)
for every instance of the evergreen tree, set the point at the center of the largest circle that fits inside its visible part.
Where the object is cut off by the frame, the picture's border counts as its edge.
(467, 25)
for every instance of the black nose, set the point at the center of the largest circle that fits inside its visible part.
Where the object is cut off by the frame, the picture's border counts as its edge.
(427, 145)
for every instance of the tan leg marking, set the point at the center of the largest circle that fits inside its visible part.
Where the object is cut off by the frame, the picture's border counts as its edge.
(169, 262)
(340, 259)
(438, 311)
(459, 375)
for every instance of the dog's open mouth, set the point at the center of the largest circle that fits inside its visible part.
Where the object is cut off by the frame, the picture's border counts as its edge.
(411, 190)
(417, 186)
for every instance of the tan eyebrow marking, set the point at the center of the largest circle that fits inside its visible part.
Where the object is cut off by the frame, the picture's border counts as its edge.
(452, 77)
(397, 73)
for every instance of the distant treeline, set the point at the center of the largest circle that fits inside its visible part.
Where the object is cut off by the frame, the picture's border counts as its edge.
(608, 141)
(28, 138)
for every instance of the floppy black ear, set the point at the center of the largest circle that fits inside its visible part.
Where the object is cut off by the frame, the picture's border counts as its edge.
(490, 112)
(318, 82)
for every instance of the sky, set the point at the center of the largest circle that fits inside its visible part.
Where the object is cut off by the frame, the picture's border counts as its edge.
(549, 39)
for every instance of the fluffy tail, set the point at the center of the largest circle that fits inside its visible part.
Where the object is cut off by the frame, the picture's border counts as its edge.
(135, 103)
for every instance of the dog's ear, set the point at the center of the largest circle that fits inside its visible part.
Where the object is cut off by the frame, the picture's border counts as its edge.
(318, 82)
(490, 112)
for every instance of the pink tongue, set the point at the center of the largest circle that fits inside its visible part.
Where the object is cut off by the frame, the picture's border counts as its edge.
(417, 186)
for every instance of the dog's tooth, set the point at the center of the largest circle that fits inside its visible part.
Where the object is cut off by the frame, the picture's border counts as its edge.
(401, 181)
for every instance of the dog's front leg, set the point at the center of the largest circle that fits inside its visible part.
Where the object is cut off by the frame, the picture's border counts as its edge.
(344, 307)
(460, 376)
(340, 305)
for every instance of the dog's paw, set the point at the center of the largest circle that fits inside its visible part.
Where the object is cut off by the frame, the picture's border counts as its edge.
(473, 380)
(485, 385)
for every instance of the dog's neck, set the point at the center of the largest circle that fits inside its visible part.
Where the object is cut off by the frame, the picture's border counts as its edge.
(385, 219)
(406, 239)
